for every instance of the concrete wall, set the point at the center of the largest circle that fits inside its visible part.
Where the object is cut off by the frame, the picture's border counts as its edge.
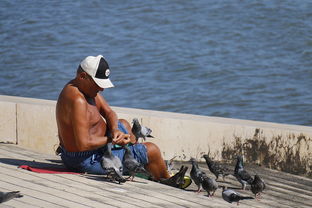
(31, 124)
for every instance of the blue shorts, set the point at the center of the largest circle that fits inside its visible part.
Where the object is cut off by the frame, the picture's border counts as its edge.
(90, 161)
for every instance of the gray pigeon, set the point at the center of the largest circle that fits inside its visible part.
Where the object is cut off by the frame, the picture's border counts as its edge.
(210, 185)
(242, 175)
(197, 175)
(170, 164)
(230, 196)
(132, 165)
(257, 186)
(140, 131)
(112, 164)
(216, 168)
(6, 196)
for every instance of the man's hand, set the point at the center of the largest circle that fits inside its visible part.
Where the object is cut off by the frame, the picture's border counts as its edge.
(120, 138)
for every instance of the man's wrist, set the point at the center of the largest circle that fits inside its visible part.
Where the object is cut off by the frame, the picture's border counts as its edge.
(116, 129)
(109, 139)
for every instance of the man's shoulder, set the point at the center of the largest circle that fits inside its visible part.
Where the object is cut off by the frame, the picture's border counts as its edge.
(71, 94)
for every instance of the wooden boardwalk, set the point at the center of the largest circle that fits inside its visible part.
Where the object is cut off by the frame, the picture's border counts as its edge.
(68, 190)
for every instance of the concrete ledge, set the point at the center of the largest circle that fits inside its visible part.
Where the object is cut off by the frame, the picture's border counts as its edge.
(8, 122)
(31, 123)
(37, 127)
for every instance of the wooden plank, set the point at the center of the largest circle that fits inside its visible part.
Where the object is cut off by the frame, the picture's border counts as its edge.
(65, 190)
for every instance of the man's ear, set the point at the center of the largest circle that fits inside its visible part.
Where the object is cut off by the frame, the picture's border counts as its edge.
(83, 75)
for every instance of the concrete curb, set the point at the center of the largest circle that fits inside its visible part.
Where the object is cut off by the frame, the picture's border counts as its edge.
(31, 123)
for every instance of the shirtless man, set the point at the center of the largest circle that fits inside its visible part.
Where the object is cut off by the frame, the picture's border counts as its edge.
(86, 123)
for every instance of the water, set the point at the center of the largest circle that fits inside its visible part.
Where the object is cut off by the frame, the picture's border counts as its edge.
(229, 58)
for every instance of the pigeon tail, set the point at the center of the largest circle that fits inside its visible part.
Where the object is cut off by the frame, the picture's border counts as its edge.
(246, 197)
(177, 180)
(142, 170)
(115, 175)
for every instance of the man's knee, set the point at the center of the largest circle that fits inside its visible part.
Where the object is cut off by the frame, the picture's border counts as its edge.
(128, 127)
(153, 151)
(125, 123)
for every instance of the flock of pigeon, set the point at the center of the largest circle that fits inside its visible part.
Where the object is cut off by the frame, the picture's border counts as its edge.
(115, 169)
(210, 185)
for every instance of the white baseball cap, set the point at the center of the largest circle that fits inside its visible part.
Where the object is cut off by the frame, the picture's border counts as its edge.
(98, 69)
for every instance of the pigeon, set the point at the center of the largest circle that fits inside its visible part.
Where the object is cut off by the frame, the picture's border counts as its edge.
(132, 165)
(170, 164)
(197, 175)
(6, 196)
(112, 164)
(242, 175)
(230, 196)
(216, 168)
(177, 180)
(210, 185)
(140, 131)
(257, 186)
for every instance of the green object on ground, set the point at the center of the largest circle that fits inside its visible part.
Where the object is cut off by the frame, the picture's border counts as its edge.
(187, 182)
(141, 175)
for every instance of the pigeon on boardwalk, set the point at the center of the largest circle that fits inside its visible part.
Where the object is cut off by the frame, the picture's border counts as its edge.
(170, 164)
(197, 175)
(132, 165)
(210, 185)
(112, 164)
(177, 180)
(257, 186)
(140, 131)
(216, 168)
(6, 196)
(242, 175)
(230, 196)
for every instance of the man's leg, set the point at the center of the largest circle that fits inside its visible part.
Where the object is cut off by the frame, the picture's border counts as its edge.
(158, 169)
(156, 165)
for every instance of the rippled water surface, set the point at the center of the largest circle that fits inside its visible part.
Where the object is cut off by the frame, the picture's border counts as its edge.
(238, 59)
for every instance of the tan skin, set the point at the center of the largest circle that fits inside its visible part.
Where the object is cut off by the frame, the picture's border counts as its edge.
(80, 111)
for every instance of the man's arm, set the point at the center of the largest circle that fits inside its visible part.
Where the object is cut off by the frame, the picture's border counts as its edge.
(108, 113)
(112, 121)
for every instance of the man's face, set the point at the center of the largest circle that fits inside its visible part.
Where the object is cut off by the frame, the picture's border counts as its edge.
(93, 88)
